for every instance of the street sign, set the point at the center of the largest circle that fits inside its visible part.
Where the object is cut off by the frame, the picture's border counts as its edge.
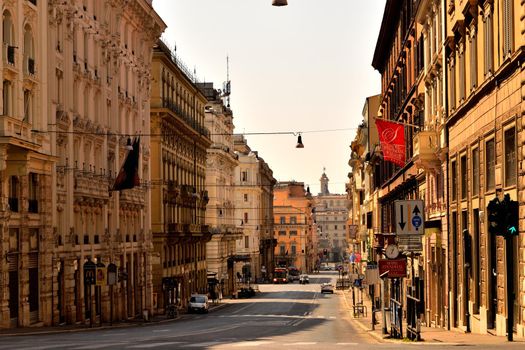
(394, 267)
(89, 272)
(352, 231)
(410, 217)
(410, 243)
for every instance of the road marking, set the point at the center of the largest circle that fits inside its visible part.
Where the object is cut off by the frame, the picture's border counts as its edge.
(44, 347)
(346, 344)
(303, 343)
(152, 345)
(161, 330)
(332, 317)
(251, 343)
(203, 345)
(97, 346)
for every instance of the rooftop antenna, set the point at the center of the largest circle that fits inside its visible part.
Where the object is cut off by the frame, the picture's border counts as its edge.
(227, 85)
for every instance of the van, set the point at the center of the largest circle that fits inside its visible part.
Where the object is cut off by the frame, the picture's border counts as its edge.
(198, 303)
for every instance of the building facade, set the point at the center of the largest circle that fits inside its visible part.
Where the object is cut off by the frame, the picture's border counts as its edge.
(73, 98)
(293, 226)
(220, 213)
(179, 146)
(254, 184)
(331, 216)
(484, 56)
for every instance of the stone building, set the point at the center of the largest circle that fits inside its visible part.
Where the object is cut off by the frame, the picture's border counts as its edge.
(75, 89)
(179, 197)
(254, 184)
(429, 155)
(362, 190)
(484, 57)
(220, 213)
(331, 216)
(293, 226)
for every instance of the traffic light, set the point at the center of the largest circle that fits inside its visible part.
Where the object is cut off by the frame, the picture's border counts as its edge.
(512, 218)
(496, 216)
(503, 217)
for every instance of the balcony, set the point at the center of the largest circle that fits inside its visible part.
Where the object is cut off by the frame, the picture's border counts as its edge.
(426, 147)
(20, 133)
(90, 185)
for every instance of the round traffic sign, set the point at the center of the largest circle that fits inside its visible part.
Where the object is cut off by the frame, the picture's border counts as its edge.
(416, 221)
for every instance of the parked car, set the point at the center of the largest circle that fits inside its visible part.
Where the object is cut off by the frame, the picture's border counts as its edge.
(327, 288)
(303, 279)
(198, 303)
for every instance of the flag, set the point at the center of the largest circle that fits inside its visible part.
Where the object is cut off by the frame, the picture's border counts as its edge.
(128, 176)
(392, 139)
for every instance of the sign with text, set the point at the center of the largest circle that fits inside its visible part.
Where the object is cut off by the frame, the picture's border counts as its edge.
(410, 243)
(395, 268)
(410, 217)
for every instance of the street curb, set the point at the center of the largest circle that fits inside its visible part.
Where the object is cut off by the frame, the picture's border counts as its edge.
(105, 327)
(365, 328)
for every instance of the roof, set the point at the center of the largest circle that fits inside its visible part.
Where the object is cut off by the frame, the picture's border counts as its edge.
(386, 33)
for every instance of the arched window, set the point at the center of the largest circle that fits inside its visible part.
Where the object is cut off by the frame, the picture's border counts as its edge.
(8, 38)
(29, 51)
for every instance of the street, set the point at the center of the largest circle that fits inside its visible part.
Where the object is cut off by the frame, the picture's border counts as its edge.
(284, 315)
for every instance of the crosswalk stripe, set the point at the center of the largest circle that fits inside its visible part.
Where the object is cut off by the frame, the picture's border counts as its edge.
(152, 345)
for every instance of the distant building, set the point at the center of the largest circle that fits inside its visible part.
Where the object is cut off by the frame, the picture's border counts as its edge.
(254, 183)
(178, 195)
(220, 214)
(331, 215)
(294, 226)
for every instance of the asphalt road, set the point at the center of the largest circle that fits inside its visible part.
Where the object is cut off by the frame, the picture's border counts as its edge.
(281, 316)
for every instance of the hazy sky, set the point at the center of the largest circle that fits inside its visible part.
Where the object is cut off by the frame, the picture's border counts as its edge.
(300, 68)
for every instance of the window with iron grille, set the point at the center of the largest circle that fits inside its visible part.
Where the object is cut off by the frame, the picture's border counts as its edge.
(510, 157)
(488, 36)
(464, 181)
(490, 164)
(454, 174)
(475, 171)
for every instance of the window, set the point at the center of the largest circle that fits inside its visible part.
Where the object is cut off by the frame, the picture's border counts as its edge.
(246, 242)
(33, 189)
(282, 233)
(462, 70)
(6, 95)
(244, 176)
(246, 197)
(245, 218)
(293, 220)
(463, 161)
(282, 249)
(510, 157)
(282, 220)
(507, 27)
(27, 106)
(335, 227)
(473, 57)
(293, 233)
(454, 174)
(488, 38)
(475, 171)
(490, 164)
(294, 249)
(452, 86)
(13, 194)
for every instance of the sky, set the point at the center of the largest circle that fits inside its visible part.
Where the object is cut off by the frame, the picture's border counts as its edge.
(305, 67)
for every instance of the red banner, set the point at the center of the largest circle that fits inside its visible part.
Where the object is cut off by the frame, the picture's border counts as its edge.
(392, 138)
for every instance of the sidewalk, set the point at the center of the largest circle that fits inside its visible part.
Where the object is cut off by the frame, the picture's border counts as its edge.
(428, 334)
(36, 330)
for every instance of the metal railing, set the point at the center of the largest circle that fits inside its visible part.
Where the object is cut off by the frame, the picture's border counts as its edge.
(396, 319)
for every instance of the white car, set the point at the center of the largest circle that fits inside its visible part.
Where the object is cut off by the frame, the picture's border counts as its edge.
(198, 303)
(327, 288)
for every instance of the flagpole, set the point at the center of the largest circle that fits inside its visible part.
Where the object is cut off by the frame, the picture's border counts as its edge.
(393, 121)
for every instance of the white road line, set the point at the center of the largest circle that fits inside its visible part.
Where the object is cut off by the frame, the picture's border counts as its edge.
(97, 346)
(202, 345)
(160, 330)
(332, 317)
(251, 343)
(43, 347)
(152, 345)
(302, 343)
